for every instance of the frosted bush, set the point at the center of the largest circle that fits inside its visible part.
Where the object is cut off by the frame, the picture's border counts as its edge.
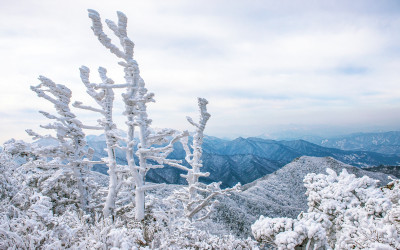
(198, 239)
(106, 234)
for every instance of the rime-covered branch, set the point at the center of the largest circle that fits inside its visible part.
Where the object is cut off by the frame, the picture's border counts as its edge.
(119, 30)
(196, 206)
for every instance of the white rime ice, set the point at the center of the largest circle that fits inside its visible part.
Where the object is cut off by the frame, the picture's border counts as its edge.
(71, 143)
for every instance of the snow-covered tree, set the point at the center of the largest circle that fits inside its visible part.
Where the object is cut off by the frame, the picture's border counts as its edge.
(103, 94)
(197, 196)
(69, 143)
(135, 98)
(344, 212)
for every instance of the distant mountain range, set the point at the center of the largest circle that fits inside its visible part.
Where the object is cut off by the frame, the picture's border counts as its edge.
(247, 159)
(384, 143)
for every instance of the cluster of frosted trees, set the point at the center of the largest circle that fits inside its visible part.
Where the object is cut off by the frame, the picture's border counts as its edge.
(148, 150)
(344, 212)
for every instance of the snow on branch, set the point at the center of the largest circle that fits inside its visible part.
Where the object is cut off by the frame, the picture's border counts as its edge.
(119, 30)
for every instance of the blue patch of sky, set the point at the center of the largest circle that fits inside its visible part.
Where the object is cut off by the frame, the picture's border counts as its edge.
(352, 70)
(394, 101)
(371, 93)
(393, 51)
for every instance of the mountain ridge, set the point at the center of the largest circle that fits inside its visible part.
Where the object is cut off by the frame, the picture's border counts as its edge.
(247, 159)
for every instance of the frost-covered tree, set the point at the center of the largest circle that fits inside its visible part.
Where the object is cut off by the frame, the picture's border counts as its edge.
(103, 94)
(135, 98)
(197, 197)
(344, 212)
(194, 203)
(69, 144)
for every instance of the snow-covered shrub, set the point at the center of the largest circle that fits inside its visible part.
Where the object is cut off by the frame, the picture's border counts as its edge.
(7, 166)
(344, 212)
(13, 154)
(28, 221)
(287, 233)
(51, 179)
(108, 234)
(185, 238)
(43, 213)
(17, 149)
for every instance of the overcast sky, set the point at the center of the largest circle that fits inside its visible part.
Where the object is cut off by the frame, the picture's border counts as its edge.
(321, 67)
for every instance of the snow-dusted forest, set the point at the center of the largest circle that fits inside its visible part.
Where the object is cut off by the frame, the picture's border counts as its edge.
(51, 199)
